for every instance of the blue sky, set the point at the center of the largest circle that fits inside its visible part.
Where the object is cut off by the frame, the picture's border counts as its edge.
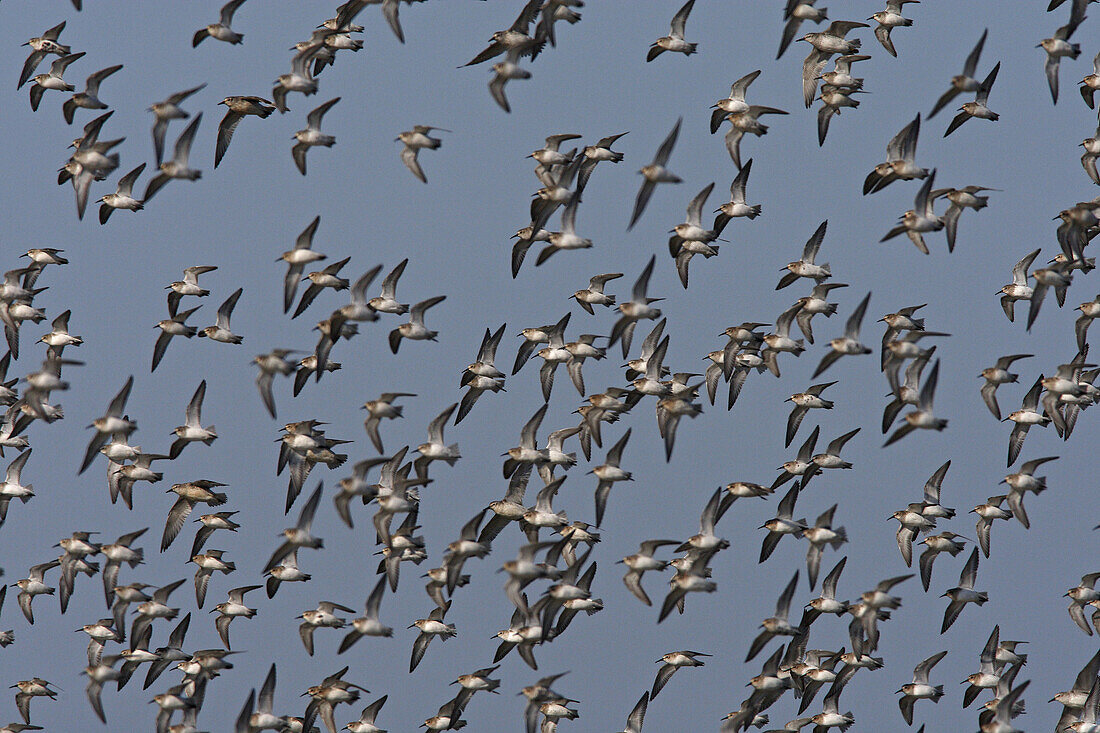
(455, 233)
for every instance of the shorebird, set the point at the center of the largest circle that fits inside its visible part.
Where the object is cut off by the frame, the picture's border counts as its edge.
(237, 107)
(1018, 289)
(41, 47)
(674, 41)
(960, 198)
(964, 82)
(415, 329)
(825, 45)
(656, 172)
(169, 110)
(849, 344)
(794, 13)
(1058, 47)
(978, 107)
(53, 79)
(179, 166)
(920, 219)
(123, 197)
(89, 98)
(414, 141)
(888, 20)
(221, 30)
(919, 689)
(899, 165)
(220, 330)
(734, 103)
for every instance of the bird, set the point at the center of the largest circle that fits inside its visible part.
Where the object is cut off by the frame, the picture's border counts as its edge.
(674, 41)
(734, 103)
(89, 98)
(379, 409)
(231, 609)
(430, 627)
(270, 364)
(53, 79)
(515, 38)
(672, 662)
(297, 259)
(300, 535)
(821, 534)
(179, 165)
(312, 136)
(609, 473)
(1018, 289)
(922, 418)
(192, 430)
(123, 197)
(300, 78)
(167, 110)
(803, 403)
(34, 585)
(794, 13)
(415, 329)
(825, 44)
(807, 266)
(920, 219)
(997, 375)
(190, 494)
(208, 563)
(899, 165)
(888, 20)
(783, 523)
(221, 31)
(326, 277)
(324, 616)
(964, 82)
(919, 689)
(963, 593)
(503, 72)
(746, 122)
(637, 714)
(656, 172)
(738, 205)
(1024, 418)
(1058, 47)
(112, 422)
(365, 723)
(236, 109)
(41, 47)
(778, 624)
(849, 344)
(414, 141)
(29, 689)
(978, 107)
(220, 330)
(960, 198)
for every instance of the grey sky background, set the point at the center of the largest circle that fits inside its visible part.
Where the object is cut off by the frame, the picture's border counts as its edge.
(455, 233)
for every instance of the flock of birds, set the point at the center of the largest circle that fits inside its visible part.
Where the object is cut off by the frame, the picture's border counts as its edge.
(550, 587)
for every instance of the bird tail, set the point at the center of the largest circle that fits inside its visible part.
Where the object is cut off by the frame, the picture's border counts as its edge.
(937, 693)
(982, 598)
(841, 538)
(139, 557)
